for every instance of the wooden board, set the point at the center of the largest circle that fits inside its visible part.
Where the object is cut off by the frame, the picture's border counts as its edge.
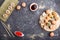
(4, 7)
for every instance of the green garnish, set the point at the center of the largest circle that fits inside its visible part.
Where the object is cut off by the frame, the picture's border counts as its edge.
(48, 24)
(51, 17)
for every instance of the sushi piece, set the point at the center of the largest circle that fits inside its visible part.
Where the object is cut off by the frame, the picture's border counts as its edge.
(53, 22)
(52, 34)
(48, 11)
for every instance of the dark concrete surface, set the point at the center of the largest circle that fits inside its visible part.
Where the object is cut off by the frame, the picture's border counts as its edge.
(26, 21)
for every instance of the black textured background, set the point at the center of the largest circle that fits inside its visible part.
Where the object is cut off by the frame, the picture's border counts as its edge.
(26, 21)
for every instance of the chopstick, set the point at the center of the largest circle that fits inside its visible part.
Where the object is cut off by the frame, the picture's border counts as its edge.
(7, 29)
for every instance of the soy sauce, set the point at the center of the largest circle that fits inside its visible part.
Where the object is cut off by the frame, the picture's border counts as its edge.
(33, 7)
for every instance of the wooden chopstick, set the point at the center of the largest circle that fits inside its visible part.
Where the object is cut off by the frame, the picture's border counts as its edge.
(7, 29)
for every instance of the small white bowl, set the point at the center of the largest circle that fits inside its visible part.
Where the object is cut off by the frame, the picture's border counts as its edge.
(35, 5)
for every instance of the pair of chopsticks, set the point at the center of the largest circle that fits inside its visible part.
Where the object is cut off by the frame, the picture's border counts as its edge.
(7, 30)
